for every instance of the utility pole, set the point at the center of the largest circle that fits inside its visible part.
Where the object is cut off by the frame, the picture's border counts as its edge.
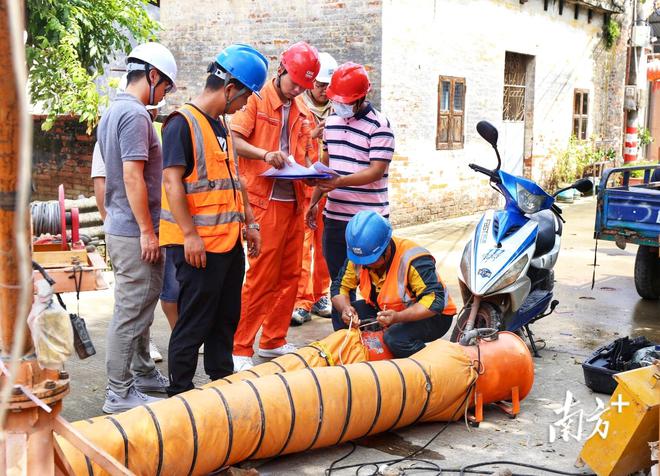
(27, 390)
(30, 396)
(639, 39)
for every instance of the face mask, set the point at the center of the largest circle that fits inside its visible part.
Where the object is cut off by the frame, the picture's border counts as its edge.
(344, 111)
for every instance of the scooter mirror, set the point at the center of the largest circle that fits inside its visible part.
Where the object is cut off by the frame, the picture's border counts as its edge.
(488, 132)
(584, 185)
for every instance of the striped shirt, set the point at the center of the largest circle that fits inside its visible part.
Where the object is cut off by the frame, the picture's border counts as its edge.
(352, 144)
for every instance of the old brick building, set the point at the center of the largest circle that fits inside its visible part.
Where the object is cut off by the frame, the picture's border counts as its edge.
(438, 67)
(538, 70)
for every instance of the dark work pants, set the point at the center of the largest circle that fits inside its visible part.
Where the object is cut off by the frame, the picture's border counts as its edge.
(209, 309)
(334, 252)
(406, 338)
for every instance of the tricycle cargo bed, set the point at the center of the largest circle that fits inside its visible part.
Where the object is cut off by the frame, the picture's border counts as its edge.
(628, 213)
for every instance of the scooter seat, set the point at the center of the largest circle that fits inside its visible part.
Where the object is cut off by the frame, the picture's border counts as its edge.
(547, 234)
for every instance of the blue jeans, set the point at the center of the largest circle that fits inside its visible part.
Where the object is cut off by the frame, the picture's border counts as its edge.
(170, 291)
(334, 252)
(406, 338)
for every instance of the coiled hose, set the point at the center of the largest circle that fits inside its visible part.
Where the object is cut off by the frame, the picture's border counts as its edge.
(45, 218)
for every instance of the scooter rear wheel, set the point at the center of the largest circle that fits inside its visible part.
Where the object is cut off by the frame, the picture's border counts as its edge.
(488, 316)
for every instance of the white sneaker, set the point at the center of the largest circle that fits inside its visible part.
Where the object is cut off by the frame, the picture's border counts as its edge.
(154, 353)
(201, 349)
(134, 398)
(242, 362)
(276, 352)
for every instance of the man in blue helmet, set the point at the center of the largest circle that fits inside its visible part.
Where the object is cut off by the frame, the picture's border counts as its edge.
(399, 284)
(204, 213)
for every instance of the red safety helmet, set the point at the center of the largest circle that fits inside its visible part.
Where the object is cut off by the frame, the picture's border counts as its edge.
(349, 83)
(301, 61)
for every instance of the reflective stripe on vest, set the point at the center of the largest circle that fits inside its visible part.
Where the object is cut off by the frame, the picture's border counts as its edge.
(206, 220)
(200, 154)
(210, 185)
(402, 272)
(203, 184)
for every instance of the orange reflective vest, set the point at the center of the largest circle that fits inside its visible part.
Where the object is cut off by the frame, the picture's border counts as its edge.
(395, 293)
(213, 190)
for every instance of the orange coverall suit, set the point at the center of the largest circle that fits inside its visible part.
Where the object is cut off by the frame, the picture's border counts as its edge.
(271, 282)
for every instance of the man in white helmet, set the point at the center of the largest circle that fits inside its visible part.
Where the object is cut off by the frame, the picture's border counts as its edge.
(312, 296)
(133, 159)
(98, 177)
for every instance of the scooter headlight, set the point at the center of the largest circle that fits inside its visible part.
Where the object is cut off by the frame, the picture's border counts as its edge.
(527, 201)
(510, 276)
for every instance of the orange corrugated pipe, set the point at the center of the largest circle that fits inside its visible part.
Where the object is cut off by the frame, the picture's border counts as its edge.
(341, 346)
(292, 411)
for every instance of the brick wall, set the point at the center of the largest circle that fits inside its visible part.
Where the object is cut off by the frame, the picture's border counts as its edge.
(422, 40)
(61, 155)
(197, 30)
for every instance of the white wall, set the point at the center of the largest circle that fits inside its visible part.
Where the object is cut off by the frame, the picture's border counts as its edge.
(423, 39)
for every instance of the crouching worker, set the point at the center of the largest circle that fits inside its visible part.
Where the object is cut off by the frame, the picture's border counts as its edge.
(399, 285)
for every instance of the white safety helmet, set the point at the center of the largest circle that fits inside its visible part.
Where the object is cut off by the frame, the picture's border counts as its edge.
(328, 67)
(157, 56)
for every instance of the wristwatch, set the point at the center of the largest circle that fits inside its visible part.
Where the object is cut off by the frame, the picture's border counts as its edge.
(253, 226)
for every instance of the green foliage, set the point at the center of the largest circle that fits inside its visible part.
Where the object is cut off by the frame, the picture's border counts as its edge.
(68, 44)
(644, 136)
(636, 163)
(572, 161)
(611, 32)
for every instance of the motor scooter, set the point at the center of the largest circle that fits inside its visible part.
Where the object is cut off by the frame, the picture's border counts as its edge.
(506, 272)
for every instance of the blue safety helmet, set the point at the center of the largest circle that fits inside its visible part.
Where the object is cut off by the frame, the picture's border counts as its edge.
(367, 237)
(245, 64)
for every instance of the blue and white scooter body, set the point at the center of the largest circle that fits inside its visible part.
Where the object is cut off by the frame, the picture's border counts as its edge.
(496, 260)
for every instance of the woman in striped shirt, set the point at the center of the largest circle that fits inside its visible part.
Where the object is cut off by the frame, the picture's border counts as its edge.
(359, 144)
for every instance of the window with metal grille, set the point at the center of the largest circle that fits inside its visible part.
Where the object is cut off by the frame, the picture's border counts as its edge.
(515, 77)
(451, 113)
(580, 113)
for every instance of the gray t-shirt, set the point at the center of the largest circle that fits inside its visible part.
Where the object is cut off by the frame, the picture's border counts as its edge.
(126, 133)
(98, 166)
(283, 189)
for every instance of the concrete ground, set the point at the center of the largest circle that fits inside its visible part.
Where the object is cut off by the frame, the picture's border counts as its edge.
(584, 320)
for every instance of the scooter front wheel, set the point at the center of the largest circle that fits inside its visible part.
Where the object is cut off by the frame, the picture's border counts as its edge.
(488, 316)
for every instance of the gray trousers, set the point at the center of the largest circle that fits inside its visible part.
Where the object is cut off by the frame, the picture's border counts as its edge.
(137, 287)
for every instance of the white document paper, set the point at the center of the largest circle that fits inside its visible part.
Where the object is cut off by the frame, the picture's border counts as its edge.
(294, 171)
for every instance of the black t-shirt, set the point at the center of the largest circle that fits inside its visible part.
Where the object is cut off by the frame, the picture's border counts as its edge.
(177, 141)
